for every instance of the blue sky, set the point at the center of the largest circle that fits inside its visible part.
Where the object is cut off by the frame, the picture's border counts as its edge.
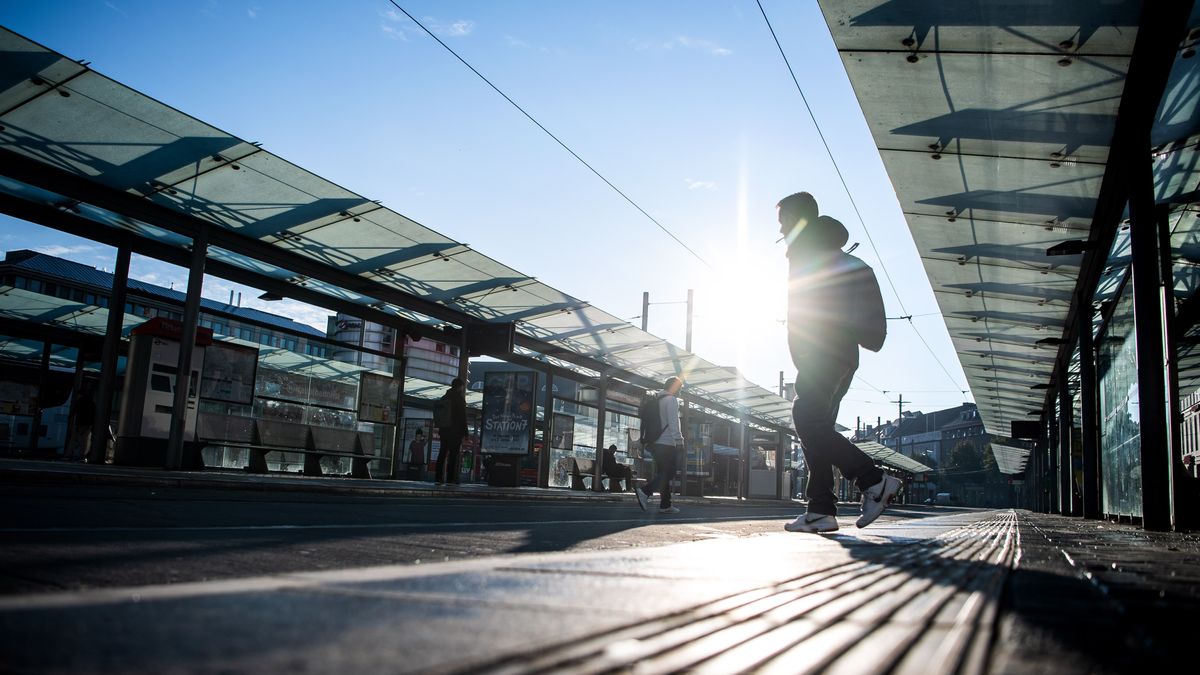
(686, 106)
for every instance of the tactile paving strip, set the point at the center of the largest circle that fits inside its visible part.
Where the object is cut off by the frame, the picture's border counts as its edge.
(928, 607)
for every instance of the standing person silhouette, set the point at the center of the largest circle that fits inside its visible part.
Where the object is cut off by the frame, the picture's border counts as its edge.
(665, 448)
(452, 433)
(834, 305)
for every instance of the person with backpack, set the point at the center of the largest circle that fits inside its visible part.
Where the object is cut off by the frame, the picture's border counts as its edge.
(450, 418)
(662, 436)
(834, 306)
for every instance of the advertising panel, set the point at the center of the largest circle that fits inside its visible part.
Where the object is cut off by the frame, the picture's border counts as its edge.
(507, 413)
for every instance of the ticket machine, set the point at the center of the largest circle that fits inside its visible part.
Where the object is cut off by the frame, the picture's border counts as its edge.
(148, 397)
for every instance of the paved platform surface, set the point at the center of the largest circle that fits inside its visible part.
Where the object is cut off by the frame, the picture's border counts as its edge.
(968, 592)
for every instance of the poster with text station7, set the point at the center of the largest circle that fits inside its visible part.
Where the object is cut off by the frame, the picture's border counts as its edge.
(507, 413)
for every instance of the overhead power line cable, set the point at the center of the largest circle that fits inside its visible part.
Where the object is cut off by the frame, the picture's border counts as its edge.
(551, 135)
(846, 187)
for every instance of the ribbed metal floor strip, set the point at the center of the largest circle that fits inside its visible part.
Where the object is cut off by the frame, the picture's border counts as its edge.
(927, 607)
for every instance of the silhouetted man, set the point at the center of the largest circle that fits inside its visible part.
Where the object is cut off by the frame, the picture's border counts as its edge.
(834, 305)
(616, 471)
(665, 448)
(452, 433)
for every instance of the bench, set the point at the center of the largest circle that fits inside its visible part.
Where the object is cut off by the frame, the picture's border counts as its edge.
(265, 436)
(582, 470)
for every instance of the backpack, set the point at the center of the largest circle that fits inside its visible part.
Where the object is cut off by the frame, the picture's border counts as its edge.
(441, 413)
(652, 422)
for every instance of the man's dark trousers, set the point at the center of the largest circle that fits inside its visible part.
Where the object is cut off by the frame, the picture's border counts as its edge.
(447, 461)
(664, 471)
(820, 386)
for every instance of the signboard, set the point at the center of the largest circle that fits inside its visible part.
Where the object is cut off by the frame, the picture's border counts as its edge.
(377, 398)
(228, 373)
(507, 427)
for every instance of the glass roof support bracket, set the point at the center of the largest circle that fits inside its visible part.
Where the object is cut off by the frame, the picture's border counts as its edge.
(187, 347)
(108, 358)
(1088, 421)
(50, 86)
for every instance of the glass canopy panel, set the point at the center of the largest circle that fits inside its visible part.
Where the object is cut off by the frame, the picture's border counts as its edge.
(35, 308)
(1178, 117)
(1177, 173)
(1037, 28)
(361, 244)
(260, 195)
(24, 62)
(995, 188)
(999, 105)
(1010, 460)
(1020, 245)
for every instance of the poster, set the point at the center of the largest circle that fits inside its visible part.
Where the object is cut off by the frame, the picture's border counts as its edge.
(377, 398)
(507, 413)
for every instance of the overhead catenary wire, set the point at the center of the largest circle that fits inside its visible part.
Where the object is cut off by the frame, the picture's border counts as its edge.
(846, 187)
(551, 135)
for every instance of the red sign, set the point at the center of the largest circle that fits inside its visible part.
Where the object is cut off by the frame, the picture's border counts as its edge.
(172, 330)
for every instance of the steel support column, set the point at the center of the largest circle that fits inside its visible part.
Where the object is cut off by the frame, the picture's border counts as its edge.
(108, 358)
(601, 411)
(39, 402)
(1066, 413)
(543, 465)
(1148, 308)
(187, 346)
(1088, 422)
(399, 372)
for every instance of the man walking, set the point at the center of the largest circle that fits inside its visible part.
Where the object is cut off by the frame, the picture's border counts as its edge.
(665, 447)
(834, 305)
(450, 415)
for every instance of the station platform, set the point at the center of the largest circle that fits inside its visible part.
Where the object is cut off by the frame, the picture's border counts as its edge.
(1001, 591)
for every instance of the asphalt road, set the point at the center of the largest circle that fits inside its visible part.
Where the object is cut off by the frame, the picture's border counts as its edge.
(74, 537)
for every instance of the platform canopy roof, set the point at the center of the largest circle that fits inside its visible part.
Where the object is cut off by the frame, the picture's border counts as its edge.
(889, 457)
(1010, 460)
(994, 120)
(86, 154)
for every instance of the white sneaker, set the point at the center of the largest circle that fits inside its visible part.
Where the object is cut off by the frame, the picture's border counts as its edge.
(669, 509)
(641, 497)
(876, 498)
(812, 522)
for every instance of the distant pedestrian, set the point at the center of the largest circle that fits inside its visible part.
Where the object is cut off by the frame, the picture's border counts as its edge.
(616, 471)
(450, 415)
(416, 456)
(82, 421)
(834, 305)
(665, 446)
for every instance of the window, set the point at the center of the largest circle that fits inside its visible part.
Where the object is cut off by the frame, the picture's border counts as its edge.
(19, 282)
(265, 338)
(35, 285)
(290, 344)
(246, 334)
(51, 289)
(77, 294)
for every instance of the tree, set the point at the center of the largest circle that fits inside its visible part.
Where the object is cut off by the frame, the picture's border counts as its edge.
(964, 466)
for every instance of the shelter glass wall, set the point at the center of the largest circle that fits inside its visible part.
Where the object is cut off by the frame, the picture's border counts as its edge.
(1120, 437)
